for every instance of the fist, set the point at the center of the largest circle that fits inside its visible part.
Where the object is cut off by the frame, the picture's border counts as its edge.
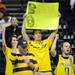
(57, 36)
(27, 61)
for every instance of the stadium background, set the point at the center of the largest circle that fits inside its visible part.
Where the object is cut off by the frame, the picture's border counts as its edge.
(18, 8)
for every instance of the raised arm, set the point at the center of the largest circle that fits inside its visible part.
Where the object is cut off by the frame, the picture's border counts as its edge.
(53, 48)
(25, 36)
(3, 41)
(52, 35)
(3, 38)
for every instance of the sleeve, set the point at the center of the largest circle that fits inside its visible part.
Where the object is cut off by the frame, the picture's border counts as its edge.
(49, 41)
(35, 63)
(13, 58)
(36, 68)
(5, 50)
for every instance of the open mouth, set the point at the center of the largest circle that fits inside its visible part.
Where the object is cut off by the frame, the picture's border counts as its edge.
(68, 50)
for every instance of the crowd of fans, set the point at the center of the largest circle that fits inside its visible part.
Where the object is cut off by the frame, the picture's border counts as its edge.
(24, 56)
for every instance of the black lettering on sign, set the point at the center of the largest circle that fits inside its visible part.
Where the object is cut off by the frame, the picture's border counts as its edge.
(30, 20)
(32, 8)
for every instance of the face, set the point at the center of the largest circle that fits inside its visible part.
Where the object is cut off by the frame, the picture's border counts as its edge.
(14, 41)
(1, 14)
(14, 21)
(23, 50)
(37, 35)
(66, 48)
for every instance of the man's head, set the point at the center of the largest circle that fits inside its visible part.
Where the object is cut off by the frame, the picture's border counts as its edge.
(14, 21)
(23, 46)
(66, 48)
(37, 35)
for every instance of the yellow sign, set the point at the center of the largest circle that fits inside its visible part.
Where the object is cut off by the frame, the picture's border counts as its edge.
(42, 16)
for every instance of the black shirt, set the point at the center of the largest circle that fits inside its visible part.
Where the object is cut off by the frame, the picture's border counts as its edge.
(9, 32)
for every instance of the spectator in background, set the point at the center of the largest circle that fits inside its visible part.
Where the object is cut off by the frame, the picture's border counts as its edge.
(2, 8)
(24, 62)
(13, 29)
(7, 52)
(5, 20)
(64, 62)
(2, 57)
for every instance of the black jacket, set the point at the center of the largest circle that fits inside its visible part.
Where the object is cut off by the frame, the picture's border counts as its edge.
(9, 32)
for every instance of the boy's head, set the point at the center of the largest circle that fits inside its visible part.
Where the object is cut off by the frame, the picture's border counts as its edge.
(37, 35)
(66, 47)
(23, 46)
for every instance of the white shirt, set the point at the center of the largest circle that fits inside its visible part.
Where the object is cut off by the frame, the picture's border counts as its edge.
(72, 2)
(4, 24)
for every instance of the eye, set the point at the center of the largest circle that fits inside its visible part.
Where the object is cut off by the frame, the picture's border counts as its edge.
(14, 40)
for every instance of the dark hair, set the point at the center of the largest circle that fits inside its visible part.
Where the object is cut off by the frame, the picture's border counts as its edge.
(36, 30)
(63, 43)
(14, 16)
(15, 36)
